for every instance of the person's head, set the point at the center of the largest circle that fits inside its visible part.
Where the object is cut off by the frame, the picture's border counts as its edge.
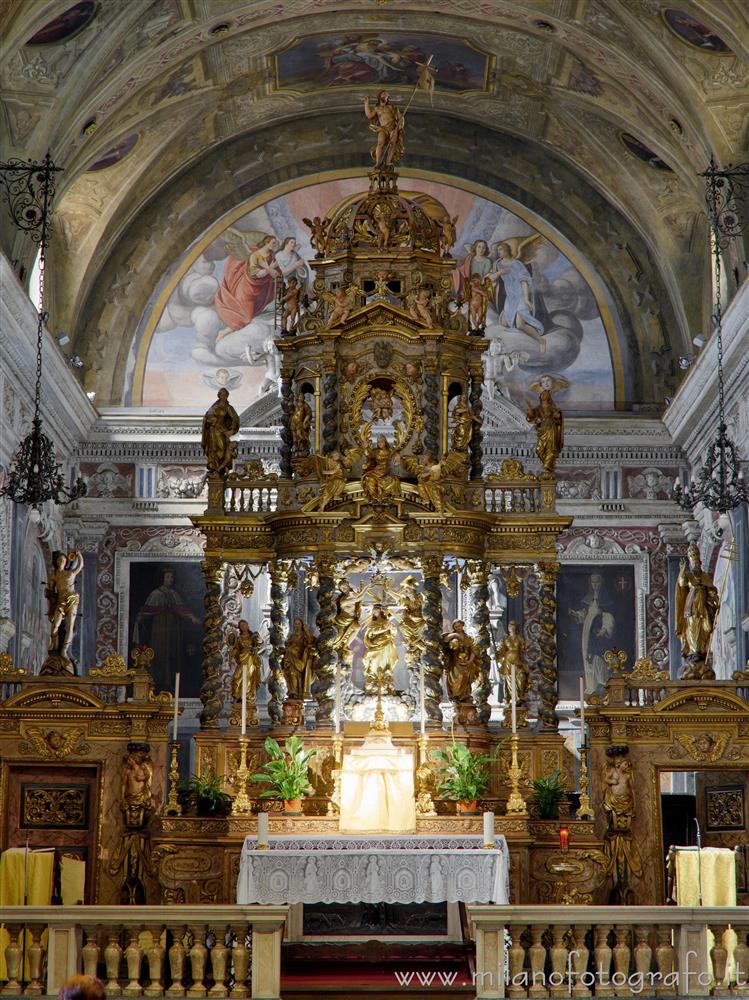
(82, 988)
(481, 248)
(168, 577)
(546, 382)
(596, 582)
(378, 611)
(512, 627)
(293, 282)
(223, 395)
(298, 625)
(382, 441)
(59, 560)
(458, 625)
(289, 243)
(244, 626)
(383, 97)
(695, 560)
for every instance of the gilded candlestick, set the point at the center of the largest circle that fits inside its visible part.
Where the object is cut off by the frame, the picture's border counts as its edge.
(424, 779)
(585, 810)
(242, 804)
(516, 803)
(173, 808)
(334, 805)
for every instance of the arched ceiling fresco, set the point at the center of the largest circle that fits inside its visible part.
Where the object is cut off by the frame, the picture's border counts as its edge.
(596, 115)
(212, 324)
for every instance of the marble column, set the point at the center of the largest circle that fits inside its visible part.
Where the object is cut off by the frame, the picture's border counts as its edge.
(213, 638)
(548, 687)
(279, 624)
(433, 666)
(479, 578)
(327, 658)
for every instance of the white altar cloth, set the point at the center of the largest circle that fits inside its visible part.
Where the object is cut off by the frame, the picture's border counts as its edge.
(397, 869)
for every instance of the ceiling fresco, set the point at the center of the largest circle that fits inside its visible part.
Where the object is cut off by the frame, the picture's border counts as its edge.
(219, 321)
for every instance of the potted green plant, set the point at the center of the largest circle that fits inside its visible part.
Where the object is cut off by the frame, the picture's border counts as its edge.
(203, 794)
(463, 775)
(286, 772)
(548, 793)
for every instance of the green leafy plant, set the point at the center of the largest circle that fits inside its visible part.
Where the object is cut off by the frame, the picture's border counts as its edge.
(209, 799)
(286, 771)
(463, 775)
(548, 793)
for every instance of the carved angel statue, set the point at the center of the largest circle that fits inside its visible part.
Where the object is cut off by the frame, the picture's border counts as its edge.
(319, 237)
(220, 423)
(342, 303)
(332, 470)
(379, 483)
(511, 653)
(448, 233)
(389, 124)
(347, 619)
(514, 298)
(548, 419)
(244, 653)
(63, 602)
(418, 304)
(381, 403)
(430, 475)
(411, 603)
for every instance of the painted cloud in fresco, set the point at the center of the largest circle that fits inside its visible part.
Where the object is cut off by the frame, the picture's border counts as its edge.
(219, 323)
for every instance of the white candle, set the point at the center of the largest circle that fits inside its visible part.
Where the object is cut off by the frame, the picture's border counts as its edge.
(244, 700)
(582, 709)
(488, 829)
(422, 700)
(337, 711)
(262, 829)
(176, 707)
(513, 700)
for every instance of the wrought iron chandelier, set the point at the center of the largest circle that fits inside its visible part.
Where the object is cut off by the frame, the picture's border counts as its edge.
(35, 476)
(719, 485)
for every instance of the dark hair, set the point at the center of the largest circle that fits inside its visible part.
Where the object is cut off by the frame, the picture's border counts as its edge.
(82, 988)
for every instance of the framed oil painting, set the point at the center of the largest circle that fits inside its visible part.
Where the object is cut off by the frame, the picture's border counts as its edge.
(596, 611)
(165, 611)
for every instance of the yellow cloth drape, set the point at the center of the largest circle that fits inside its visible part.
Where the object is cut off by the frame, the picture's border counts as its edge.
(715, 867)
(377, 792)
(72, 881)
(13, 879)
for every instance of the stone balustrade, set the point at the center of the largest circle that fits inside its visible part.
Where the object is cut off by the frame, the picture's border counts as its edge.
(624, 691)
(609, 951)
(147, 951)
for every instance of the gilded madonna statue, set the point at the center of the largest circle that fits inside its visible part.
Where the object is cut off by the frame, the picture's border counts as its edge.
(378, 482)
(381, 654)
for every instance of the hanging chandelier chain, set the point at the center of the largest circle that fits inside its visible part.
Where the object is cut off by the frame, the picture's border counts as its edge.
(43, 243)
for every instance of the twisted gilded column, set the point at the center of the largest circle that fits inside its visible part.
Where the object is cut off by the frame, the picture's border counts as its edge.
(287, 407)
(479, 578)
(477, 438)
(279, 579)
(432, 568)
(324, 684)
(431, 415)
(548, 688)
(329, 413)
(213, 637)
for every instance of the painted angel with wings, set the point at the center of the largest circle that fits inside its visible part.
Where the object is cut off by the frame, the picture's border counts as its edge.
(250, 277)
(430, 475)
(514, 296)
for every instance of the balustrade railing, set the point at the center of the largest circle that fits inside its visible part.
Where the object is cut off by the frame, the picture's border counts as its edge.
(626, 691)
(610, 951)
(148, 951)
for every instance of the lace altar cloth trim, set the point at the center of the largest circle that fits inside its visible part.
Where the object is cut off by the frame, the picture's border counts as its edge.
(398, 869)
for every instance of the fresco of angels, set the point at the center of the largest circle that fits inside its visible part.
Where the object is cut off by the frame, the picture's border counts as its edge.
(222, 318)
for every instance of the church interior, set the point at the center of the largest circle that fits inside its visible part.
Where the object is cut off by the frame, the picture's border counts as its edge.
(374, 561)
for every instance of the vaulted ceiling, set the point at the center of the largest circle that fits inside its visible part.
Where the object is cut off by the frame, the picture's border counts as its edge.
(595, 114)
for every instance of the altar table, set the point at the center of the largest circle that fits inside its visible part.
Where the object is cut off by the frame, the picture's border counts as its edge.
(395, 869)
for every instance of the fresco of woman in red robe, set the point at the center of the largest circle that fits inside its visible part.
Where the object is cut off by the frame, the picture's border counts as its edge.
(249, 281)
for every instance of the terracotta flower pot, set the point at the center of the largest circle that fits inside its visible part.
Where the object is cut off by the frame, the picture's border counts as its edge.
(466, 808)
(292, 805)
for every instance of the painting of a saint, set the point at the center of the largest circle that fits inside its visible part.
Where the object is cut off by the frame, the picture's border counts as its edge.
(166, 613)
(690, 30)
(595, 613)
(365, 58)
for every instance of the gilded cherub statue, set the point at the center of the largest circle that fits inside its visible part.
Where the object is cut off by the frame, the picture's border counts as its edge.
(319, 237)
(288, 299)
(419, 306)
(220, 423)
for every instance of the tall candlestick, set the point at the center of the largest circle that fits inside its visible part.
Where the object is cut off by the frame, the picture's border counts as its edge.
(422, 705)
(337, 712)
(582, 709)
(513, 700)
(244, 700)
(176, 706)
